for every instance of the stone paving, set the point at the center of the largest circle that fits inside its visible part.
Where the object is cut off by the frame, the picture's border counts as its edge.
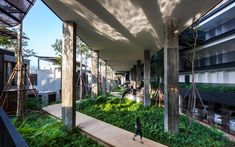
(104, 132)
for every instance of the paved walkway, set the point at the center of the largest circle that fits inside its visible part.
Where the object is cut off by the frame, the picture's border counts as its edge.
(105, 132)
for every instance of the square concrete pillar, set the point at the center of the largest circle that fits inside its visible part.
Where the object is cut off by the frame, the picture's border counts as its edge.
(134, 80)
(146, 77)
(132, 77)
(171, 77)
(68, 74)
(104, 78)
(225, 118)
(108, 80)
(95, 74)
(138, 73)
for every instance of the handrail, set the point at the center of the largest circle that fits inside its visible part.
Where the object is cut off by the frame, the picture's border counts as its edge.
(9, 137)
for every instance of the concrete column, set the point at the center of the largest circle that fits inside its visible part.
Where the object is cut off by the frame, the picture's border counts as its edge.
(138, 73)
(146, 77)
(171, 77)
(69, 74)
(211, 109)
(134, 80)
(108, 78)
(225, 118)
(130, 77)
(104, 78)
(134, 76)
(81, 77)
(95, 74)
(38, 63)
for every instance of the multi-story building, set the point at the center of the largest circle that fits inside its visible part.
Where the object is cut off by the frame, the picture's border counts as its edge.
(214, 63)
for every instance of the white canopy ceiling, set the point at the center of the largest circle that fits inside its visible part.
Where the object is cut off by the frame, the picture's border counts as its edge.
(122, 29)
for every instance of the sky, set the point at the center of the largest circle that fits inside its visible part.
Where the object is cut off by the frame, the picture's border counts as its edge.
(42, 27)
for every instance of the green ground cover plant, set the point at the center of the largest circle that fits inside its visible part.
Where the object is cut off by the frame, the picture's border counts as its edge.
(122, 113)
(41, 130)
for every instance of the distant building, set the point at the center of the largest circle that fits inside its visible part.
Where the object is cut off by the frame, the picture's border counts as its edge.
(46, 77)
(7, 64)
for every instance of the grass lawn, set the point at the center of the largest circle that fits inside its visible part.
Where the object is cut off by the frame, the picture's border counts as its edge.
(122, 113)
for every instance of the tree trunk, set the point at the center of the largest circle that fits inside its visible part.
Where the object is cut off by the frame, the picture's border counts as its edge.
(20, 81)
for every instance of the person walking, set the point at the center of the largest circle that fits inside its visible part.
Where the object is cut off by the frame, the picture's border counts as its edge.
(138, 129)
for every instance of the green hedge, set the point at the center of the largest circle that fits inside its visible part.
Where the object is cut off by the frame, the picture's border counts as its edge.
(122, 113)
(211, 87)
(42, 130)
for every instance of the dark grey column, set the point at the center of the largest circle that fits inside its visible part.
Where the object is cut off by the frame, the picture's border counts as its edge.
(132, 77)
(38, 63)
(68, 74)
(171, 77)
(1, 72)
(225, 118)
(146, 77)
(138, 73)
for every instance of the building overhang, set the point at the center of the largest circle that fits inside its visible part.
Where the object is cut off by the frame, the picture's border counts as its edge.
(122, 30)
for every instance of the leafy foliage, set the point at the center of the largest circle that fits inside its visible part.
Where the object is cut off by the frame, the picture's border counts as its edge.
(41, 130)
(34, 103)
(122, 113)
(117, 88)
(211, 87)
(81, 47)
(11, 44)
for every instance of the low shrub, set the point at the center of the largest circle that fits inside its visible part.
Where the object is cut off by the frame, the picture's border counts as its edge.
(122, 113)
(117, 88)
(42, 130)
(34, 103)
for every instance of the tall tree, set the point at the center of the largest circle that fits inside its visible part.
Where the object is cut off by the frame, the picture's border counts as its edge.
(57, 46)
(82, 49)
(12, 44)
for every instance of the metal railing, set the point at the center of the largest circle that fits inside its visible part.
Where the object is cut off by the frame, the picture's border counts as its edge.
(9, 137)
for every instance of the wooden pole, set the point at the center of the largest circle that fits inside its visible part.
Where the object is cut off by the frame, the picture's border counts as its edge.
(69, 74)
(20, 79)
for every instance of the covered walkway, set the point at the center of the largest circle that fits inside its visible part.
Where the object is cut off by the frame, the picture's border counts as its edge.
(103, 132)
(125, 34)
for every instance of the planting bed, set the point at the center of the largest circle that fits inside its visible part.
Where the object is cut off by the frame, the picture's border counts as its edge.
(41, 130)
(122, 113)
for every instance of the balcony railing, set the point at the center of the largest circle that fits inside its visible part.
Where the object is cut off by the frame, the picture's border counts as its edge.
(9, 137)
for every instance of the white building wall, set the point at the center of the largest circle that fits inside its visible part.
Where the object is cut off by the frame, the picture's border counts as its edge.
(223, 77)
(181, 78)
(49, 80)
(231, 77)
